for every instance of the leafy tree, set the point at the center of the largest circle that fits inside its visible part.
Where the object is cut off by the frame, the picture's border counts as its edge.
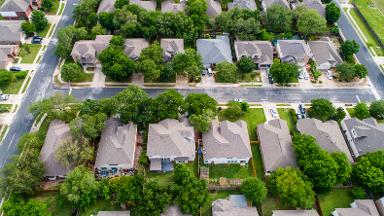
(125, 21)
(309, 21)
(72, 72)
(169, 104)
(377, 109)
(348, 48)
(196, 10)
(368, 171)
(149, 68)
(85, 13)
(346, 72)
(234, 111)
(106, 20)
(15, 207)
(129, 189)
(254, 190)
(197, 103)
(359, 193)
(67, 37)
(245, 65)
(153, 52)
(283, 73)
(203, 121)
(74, 152)
(5, 77)
(339, 114)
(360, 71)
(39, 20)
(121, 3)
(117, 41)
(278, 19)
(98, 30)
(326, 1)
(321, 109)
(292, 188)
(180, 173)
(361, 111)
(188, 64)
(28, 28)
(115, 64)
(80, 187)
(46, 5)
(332, 12)
(344, 169)
(226, 72)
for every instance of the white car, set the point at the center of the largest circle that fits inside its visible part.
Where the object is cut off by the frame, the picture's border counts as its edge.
(305, 74)
(274, 112)
(4, 97)
(329, 75)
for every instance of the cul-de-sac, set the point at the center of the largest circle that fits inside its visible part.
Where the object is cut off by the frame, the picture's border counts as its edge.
(192, 107)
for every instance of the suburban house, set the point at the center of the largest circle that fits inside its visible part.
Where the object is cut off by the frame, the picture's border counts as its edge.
(8, 54)
(260, 51)
(85, 51)
(327, 135)
(276, 145)
(214, 8)
(134, 46)
(214, 51)
(117, 147)
(58, 132)
(293, 51)
(360, 207)
(106, 6)
(170, 141)
(18, 9)
(171, 47)
(11, 32)
(363, 136)
(173, 210)
(295, 213)
(149, 5)
(114, 213)
(312, 4)
(227, 142)
(170, 6)
(233, 205)
(268, 3)
(243, 4)
(324, 54)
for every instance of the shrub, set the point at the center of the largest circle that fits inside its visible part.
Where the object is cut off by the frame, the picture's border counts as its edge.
(377, 109)
(72, 72)
(5, 77)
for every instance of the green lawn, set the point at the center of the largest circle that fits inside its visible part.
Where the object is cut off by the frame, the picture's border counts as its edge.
(50, 198)
(351, 112)
(45, 31)
(13, 87)
(100, 205)
(256, 157)
(253, 117)
(364, 28)
(29, 55)
(269, 204)
(5, 108)
(166, 178)
(229, 171)
(286, 115)
(205, 210)
(55, 7)
(337, 198)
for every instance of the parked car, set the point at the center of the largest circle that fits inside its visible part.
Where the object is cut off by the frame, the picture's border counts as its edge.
(270, 78)
(302, 110)
(15, 68)
(274, 112)
(210, 71)
(37, 40)
(329, 75)
(4, 97)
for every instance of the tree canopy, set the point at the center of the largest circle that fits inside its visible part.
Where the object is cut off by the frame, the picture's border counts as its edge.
(348, 48)
(332, 12)
(226, 72)
(321, 109)
(283, 73)
(254, 190)
(197, 103)
(368, 171)
(361, 111)
(278, 19)
(115, 64)
(377, 109)
(309, 21)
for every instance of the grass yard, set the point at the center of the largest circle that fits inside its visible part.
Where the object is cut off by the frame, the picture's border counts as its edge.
(166, 178)
(253, 117)
(351, 112)
(29, 52)
(229, 171)
(286, 115)
(269, 204)
(45, 31)
(337, 198)
(100, 205)
(205, 210)
(50, 198)
(15, 85)
(256, 157)
(55, 7)
(5, 108)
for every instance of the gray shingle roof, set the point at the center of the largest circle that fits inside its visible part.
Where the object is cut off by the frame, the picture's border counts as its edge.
(106, 6)
(362, 207)
(171, 138)
(235, 205)
(227, 139)
(114, 213)
(327, 135)
(214, 8)
(134, 46)
(117, 144)
(268, 3)
(171, 47)
(5, 51)
(214, 51)
(276, 145)
(15, 5)
(260, 51)
(295, 213)
(58, 132)
(149, 5)
(172, 7)
(86, 51)
(315, 4)
(324, 53)
(293, 51)
(173, 211)
(10, 31)
(366, 136)
(242, 4)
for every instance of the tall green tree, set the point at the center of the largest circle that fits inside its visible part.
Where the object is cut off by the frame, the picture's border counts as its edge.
(74, 152)
(376, 109)
(129, 189)
(153, 52)
(28, 28)
(344, 169)
(226, 73)
(46, 5)
(85, 13)
(283, 73)
(309, 21)
(254, 190)
(361, 111)
(16, 207)
(321, 109)
(234, 111)
(348, 48)
(72, 72)
(368, 171)
(39, 20)
(332, 12)
(169, 105)
(149, 69)
(66, 38)
(197, 103)
(278, 19)
(245, 65)
(203, 121)
(115, 64)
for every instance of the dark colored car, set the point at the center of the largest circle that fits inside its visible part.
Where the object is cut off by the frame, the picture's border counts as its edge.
(302, 110)
(14, 68)
(270, 78)
(37, 39)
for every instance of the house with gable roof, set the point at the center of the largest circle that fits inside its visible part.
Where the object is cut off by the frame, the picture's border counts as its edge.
(293, 51)
(134, 46)
(324, 54)
(8, 54)
(18, 9)
(214, 51)
(260, 51)
(360, 207)
(171, 47)
(11, 32)
(242, 4)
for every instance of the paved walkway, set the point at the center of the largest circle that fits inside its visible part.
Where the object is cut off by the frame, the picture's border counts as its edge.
(98, 79)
